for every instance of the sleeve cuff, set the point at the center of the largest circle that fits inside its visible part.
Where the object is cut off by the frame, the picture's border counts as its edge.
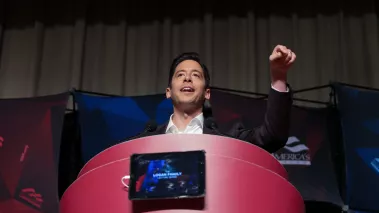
(287, 90)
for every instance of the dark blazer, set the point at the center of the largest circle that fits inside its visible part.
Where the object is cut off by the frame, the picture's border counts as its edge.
(272, 135)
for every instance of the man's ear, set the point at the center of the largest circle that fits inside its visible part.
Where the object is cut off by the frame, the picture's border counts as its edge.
(207, 94)
(168, 92)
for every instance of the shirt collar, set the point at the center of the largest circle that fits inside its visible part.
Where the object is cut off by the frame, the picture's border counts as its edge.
(198, 120)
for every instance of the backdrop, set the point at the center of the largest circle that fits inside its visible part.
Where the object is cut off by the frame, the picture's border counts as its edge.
(30, 136)
(106, 121)
(360, 126)
(307, 155)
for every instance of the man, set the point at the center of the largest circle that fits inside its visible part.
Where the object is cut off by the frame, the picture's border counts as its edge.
(188, 89)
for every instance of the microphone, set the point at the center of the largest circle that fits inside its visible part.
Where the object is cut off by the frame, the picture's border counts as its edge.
(211, 124)
(150, 126)
(207, 109)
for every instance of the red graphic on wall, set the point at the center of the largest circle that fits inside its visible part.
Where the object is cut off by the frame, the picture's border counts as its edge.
(29, 160)
(227, 115)
(1, 141)
(23, 154)
(30, 195)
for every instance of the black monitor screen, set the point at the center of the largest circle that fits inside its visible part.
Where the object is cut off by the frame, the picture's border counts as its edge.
(166, 175)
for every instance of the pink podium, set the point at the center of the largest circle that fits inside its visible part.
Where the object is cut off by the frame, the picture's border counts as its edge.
(240, 177)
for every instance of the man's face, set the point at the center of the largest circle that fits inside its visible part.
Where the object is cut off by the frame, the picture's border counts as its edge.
(188, 86)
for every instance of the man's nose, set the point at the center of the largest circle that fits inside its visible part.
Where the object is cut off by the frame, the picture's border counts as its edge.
(187, 78)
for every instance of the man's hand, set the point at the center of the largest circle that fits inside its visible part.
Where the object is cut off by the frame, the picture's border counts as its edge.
(281, 60)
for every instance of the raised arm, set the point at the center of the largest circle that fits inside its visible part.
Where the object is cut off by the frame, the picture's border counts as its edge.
(273, 133)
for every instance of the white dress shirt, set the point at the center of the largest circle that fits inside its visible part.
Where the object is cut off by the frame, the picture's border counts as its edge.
(195, 126)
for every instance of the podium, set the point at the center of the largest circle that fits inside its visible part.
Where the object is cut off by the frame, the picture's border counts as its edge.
(240, 177)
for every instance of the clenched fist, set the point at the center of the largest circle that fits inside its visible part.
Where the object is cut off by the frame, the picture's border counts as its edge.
(281, 59)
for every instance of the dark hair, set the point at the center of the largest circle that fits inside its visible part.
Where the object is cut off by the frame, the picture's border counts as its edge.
(189, 56)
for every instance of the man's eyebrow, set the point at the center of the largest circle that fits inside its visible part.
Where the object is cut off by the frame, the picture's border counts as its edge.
(196, 70)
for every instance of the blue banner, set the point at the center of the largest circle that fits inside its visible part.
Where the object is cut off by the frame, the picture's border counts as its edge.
(359, 112)
(106, 121)
(356, 211)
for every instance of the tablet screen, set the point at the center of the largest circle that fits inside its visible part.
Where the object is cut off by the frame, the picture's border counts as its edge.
(167, 175)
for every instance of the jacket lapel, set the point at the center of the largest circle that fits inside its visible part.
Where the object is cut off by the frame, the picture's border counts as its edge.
(162, 130)
(209, 131)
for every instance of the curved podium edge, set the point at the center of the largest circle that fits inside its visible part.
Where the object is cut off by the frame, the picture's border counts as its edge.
(163, 135)
(127, 158)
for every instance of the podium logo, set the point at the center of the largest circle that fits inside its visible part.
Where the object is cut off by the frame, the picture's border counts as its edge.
(375, 164)
(293, 153)
(30, 196)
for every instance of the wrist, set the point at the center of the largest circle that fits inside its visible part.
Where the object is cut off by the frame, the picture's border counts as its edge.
(279, 82)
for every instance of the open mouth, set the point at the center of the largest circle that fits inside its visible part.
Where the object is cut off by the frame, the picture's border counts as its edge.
(187, 89)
